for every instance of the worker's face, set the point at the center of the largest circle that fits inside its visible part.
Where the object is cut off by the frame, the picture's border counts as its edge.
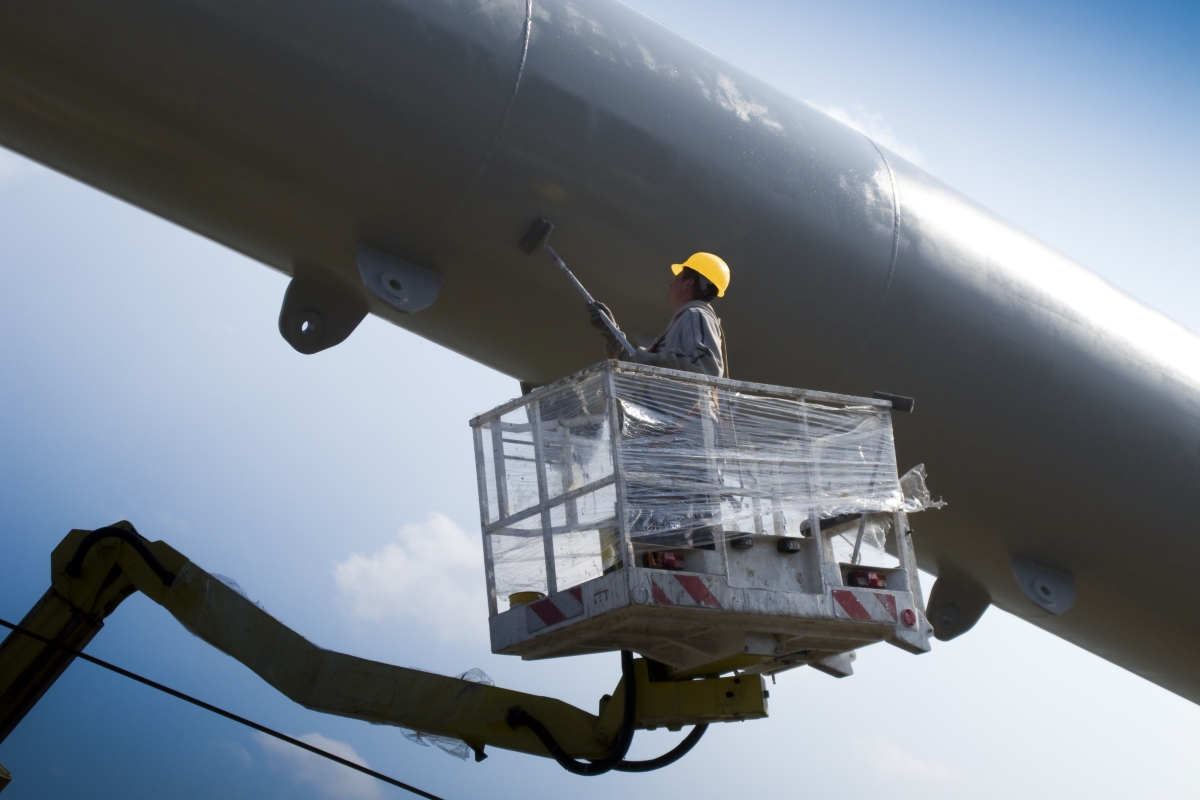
(681, 292)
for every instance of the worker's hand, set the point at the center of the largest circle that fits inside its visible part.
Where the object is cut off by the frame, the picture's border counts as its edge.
(612, 347)
(595, 310)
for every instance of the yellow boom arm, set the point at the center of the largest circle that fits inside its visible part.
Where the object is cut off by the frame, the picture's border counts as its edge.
(93, 571)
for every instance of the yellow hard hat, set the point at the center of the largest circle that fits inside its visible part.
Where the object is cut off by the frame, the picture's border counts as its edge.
(710, 266)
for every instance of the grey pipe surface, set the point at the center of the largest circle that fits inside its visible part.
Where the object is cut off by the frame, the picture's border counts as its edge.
(1059, 416)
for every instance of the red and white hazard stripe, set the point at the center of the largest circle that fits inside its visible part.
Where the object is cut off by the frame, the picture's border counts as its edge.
(554, 609)
(682, 590)
(865, 606)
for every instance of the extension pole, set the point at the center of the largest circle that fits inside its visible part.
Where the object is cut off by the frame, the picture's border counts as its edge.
(540, 234)
(612, 326)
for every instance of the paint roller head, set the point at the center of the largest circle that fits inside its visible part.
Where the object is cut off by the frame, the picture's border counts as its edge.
(537, 235)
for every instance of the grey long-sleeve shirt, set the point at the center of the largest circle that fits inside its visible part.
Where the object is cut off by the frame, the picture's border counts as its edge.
(693, 341)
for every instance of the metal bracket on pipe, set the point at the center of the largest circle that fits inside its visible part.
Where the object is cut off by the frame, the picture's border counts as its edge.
(401, 284)
(1050, 589)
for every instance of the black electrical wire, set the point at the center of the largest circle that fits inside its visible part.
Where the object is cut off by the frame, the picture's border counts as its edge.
(615, 760)
(519, 717)
(132, 538)
(670, 757)
(222, 712)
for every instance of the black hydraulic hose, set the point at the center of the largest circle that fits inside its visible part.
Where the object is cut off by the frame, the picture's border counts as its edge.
(670, 757)
(134, 540)
(222, 712)
(518, 717)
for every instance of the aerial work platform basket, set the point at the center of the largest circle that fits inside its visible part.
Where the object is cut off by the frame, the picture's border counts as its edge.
(706, 523)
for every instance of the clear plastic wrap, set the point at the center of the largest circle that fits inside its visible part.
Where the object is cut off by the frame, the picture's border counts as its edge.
(577, 476)
(916, 493)
(447, 744)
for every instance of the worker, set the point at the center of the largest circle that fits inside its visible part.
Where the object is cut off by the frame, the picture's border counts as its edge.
(693, 340)
(683, 513)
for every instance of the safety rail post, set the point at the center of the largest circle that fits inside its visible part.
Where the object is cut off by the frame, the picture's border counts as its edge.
(902, 548)
(705, 406)
(489, 563)
(500, 466)
(567, 453)
(498, 463)
(908, 561)
(539, 457)
(624, 540)
(814, 529)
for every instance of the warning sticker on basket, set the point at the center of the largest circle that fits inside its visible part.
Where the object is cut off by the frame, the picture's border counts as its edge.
(554, 609)
(682, 590)
(865, 606)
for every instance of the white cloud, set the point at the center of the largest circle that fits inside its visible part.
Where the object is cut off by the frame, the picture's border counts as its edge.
(433, 574)
(328, 778)
(234, 751)
(891, 761)
(872, 126)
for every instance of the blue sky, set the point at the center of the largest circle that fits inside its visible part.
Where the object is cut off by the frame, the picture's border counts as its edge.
(144, 378)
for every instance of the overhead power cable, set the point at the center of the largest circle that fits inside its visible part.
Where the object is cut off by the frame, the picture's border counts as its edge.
(222, 712)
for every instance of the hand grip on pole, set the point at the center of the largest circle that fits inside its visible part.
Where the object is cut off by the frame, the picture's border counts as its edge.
(612, 326)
